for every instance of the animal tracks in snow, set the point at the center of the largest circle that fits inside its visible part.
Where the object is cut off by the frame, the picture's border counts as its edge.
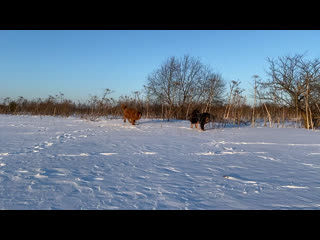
(42, 146)
(63, 136)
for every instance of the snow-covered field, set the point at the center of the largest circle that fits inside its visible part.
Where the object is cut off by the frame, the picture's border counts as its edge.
(71, 163)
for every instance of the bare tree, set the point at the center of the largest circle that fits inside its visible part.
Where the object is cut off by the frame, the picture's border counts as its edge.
(213, 89)
(161, 84)
(233, 85)
(179, 83)
(295, 82)
(255, 99)
(310, 71)
(238, 101)
(189, 73)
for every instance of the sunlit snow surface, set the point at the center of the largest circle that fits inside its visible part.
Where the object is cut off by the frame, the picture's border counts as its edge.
(72, 163)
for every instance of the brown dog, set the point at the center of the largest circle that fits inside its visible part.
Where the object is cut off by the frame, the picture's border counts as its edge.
(131, 114)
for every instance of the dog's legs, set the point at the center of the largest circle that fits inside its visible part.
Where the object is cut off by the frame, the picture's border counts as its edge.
(191, 125)
(124, 119)
(197, 124)
(133, 121)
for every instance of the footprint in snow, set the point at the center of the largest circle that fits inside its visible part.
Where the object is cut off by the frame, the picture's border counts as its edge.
(42, 146)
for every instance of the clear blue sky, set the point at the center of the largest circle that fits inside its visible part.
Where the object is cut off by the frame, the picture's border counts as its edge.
(82, 63)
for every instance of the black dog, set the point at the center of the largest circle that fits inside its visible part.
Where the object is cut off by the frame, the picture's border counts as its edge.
(197, 117)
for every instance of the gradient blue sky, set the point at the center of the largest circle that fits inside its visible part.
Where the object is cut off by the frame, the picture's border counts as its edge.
(82, 63)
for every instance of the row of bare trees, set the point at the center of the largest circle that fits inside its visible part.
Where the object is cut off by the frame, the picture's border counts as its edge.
(53, 105)
(234, 110)
(180, 85)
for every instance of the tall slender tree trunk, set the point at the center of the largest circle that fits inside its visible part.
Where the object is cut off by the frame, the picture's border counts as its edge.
(226, 113)
(254, 103)
(188, 109)
(307, 103)
(283, 117)
(269, 116)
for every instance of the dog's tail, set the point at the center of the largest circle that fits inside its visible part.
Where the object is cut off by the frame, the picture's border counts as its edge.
(123, 106)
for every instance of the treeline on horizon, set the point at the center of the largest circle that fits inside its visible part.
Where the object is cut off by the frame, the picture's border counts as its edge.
(98, 107)
(180, 85)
